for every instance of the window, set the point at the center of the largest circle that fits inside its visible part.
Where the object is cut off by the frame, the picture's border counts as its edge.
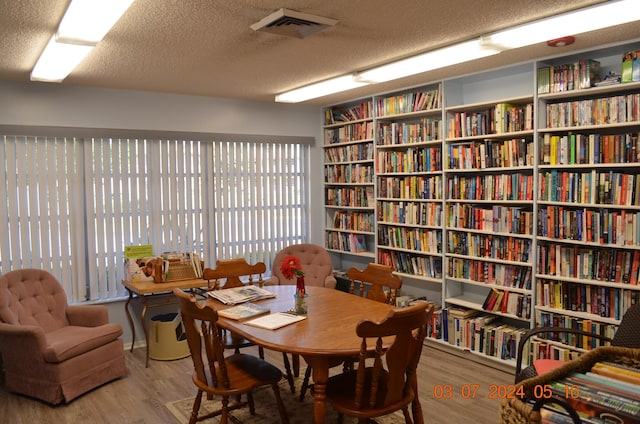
(73, 203)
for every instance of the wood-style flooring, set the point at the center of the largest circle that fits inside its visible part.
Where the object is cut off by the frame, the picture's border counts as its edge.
(453, 389)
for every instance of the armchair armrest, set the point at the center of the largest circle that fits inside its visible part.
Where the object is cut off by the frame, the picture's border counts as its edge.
(548, 330)
(272, 281)
(21, 344)
(87, 315)
(330, 282)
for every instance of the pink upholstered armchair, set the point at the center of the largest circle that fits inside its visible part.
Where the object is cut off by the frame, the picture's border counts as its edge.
(316, 264)
(50, 350)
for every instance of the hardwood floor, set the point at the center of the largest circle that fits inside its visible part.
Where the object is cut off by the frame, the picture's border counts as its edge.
(140, 397)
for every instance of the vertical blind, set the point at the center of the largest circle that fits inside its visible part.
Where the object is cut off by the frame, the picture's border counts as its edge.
(74, 203)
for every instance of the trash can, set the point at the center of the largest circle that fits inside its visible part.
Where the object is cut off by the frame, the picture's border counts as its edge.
(167, 340)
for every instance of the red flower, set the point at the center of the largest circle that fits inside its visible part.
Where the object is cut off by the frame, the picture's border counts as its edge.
(291, 267)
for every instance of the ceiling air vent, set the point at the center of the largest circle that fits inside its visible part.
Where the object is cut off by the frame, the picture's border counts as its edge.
(293, 24)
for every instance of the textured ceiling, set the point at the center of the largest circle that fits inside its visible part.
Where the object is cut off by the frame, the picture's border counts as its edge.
(207, 48)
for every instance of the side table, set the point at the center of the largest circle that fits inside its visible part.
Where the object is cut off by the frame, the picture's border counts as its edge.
(153, 295)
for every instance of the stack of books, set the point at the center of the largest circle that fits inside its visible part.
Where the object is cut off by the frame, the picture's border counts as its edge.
(610, 392)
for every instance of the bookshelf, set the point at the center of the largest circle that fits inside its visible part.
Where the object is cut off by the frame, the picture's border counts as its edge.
(588, 196)
(349, 178)
(408, 169)
(489, 217)
(508, 197)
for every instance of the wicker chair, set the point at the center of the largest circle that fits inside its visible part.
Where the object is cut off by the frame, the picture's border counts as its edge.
(627, 335)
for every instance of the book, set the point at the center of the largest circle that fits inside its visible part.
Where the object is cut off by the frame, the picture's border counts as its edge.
(236, 295)
(600, 403)
(275, 320)
(244, 311)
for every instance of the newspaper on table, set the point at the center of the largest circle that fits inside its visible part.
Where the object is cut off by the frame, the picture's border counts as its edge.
(236, 295)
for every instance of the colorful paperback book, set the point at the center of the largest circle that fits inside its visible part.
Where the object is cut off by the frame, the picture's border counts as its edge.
(244, 311)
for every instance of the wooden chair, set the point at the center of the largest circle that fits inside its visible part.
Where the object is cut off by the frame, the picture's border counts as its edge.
(627, 335)
(370, 283)
(217, 375)
(390, 383)
(230, 273)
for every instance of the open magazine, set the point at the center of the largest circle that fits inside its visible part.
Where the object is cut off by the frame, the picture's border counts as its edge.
(243, 294)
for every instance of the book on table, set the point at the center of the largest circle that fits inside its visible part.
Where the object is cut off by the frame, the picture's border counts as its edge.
(244, 311)
(236, 295)
(275, 320)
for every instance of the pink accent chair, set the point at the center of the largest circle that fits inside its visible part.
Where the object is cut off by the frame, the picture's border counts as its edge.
(316, 265)
(50, 350)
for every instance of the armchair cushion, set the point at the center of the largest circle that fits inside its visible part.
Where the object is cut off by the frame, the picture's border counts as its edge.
(316, 265)
(71, 341)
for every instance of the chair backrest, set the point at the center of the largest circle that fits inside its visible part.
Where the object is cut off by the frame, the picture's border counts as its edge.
(232, 270)
(397, 382)
(314, 259)
(628, 332)
(379, 277)
(203, 338)
(32, 297)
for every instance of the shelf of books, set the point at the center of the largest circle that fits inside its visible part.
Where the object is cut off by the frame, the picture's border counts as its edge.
(349, 178)
(588, 237)
(408, 169)
(516, 191)
(489, 220)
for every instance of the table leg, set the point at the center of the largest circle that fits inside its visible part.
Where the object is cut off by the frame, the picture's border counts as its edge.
(320, 367)
(143, 321)
(131, 324)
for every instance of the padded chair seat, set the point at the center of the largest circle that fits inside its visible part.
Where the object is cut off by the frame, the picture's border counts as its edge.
(239, 365)
(68, 342)
(342, 388)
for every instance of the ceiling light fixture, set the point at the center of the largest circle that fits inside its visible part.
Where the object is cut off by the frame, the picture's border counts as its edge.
(440, 58)
(319, 89)
(607, 14)
(83, 25)
(58, 60)
(579, 21)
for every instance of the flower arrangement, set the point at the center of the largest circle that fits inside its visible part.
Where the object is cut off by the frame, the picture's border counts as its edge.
(290, 268)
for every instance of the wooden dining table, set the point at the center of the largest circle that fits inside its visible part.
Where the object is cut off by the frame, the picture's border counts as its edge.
(328, 332)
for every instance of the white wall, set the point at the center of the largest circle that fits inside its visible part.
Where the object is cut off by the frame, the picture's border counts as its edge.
(43, 104)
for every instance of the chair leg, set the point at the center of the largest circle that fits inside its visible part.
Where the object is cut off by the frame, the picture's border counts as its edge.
(407, 416)
(284, 418)
(196, 407)
(296, 364)
(224, 415)
(305, 383)
(261, 352)
(252, 405)
(289, 375)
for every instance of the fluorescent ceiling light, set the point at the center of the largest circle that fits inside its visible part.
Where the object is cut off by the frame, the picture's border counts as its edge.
(320, 89)
(604, 15)
(83, 25)
(58, 60)
(88, 21)
(607, 14)
(440, 58)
